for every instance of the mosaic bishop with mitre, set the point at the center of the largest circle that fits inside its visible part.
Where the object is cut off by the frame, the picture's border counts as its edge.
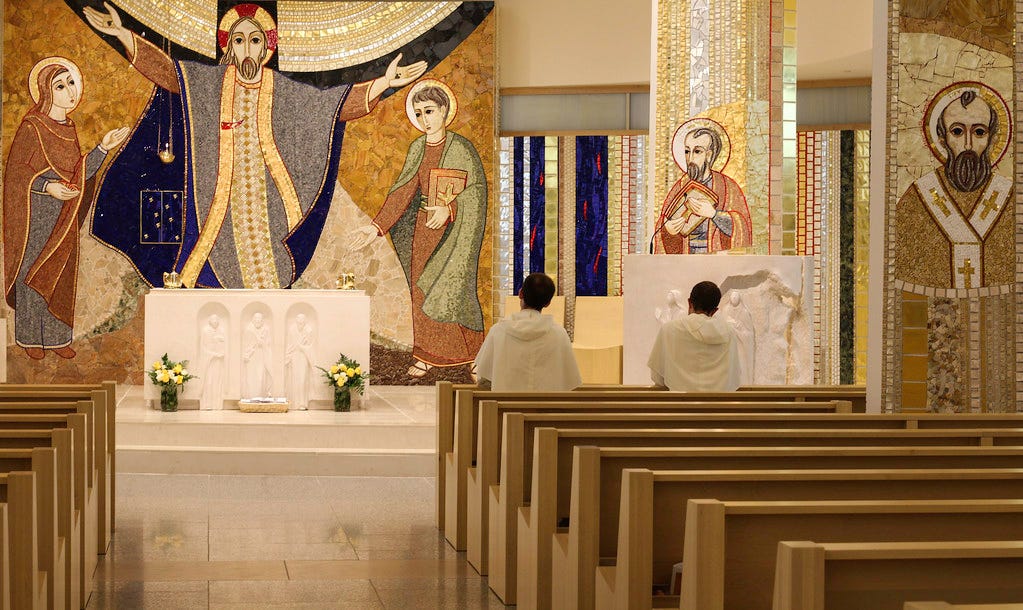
(954, 236)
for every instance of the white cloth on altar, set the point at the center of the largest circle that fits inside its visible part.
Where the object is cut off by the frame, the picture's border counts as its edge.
(528, 352)
(696, 353)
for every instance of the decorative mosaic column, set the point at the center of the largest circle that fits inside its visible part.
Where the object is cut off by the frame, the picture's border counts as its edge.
(952, 221)
(727, 67)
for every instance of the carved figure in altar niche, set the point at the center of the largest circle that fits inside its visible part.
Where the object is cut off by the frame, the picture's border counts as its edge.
(705, 211)
(212, 360)
(298, 362)
(280, 141)
(48, 187)
(257, 355)
(436, 213)
(951, 224)
(741, 321)
(675, 307)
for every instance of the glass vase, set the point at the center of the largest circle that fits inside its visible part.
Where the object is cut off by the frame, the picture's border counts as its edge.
(169, 398)
(342, 399)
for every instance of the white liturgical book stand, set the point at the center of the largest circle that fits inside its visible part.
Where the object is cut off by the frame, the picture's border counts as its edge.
(255, 343)
(768, 300)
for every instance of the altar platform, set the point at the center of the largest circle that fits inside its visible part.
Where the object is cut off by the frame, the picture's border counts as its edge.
(389, 432)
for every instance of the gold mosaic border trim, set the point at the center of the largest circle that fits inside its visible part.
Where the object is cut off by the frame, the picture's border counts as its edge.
(783, 122)
(615, 205)
(552, 192)
(861, 249)
(892, 303)
(566, 217)
(1018, 171)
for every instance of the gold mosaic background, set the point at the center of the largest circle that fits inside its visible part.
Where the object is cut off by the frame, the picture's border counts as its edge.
(109, 308)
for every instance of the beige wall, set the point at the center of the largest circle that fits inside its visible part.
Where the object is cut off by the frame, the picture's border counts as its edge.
(545, 43)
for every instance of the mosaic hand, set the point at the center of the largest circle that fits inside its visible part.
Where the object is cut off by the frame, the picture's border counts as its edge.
(114, 138)
(108, 24)
(439, 215)
(363, 236)
(60, 191)
(399, 76)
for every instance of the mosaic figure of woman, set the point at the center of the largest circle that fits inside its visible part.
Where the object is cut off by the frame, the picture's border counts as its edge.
(435, 214)
(48, 187)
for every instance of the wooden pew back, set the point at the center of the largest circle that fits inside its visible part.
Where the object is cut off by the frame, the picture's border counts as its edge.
(655, 501)
(42, 463)
(71, 492)
(84, 541)
(730, 547)
(25, 586)
(884, 575)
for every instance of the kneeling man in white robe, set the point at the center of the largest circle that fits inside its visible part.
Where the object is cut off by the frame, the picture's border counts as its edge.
(697, 352)
(528, 351)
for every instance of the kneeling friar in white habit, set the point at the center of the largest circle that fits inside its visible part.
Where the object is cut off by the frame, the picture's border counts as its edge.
(697, 352)
(528, 351)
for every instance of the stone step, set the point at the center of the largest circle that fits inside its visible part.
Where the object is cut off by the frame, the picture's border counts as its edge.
(368, 436)
(194, 459)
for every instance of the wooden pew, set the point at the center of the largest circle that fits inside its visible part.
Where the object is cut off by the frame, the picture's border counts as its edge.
(948, 606)
(661, 497)
(103, 396)
(467, 495)
(730, 547)
(453, 416)
(71, 490)
(513, 490)
(546, 510)
(596, 523)
(5, 560)
(884, 575)
(50, 547)
(96, 458)
(26, 583)
(445, 435)
(85, 491)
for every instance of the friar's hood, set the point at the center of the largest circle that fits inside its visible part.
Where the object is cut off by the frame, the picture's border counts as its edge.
(711, 331)
(529, 325)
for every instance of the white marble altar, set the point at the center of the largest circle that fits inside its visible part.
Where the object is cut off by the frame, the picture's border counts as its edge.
(248, 343)
(767, 299)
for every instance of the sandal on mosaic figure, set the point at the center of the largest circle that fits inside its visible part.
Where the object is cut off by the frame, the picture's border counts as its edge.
(419, 369)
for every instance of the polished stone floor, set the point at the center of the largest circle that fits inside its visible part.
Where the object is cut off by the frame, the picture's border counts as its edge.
(197, 541)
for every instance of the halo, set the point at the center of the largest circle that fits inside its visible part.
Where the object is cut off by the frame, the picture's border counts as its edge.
(951, 93)
(429, 82)
(33, 76)
(678, 150)
(256, 13)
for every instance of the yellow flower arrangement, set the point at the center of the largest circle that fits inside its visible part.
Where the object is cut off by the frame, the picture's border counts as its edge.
(165, 372)
(346, 373)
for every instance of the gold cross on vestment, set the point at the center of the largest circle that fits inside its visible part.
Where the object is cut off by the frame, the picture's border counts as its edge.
(967, 270)
(989, 205)
(939, 201)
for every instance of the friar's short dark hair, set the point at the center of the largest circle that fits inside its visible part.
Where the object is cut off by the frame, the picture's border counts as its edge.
(705, 297)
(537, 290)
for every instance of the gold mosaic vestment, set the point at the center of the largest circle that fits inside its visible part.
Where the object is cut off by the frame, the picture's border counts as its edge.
(924, 254)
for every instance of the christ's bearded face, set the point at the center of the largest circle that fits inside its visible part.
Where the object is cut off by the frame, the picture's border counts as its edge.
(247, 46)
(967, 139)
(698, 156)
